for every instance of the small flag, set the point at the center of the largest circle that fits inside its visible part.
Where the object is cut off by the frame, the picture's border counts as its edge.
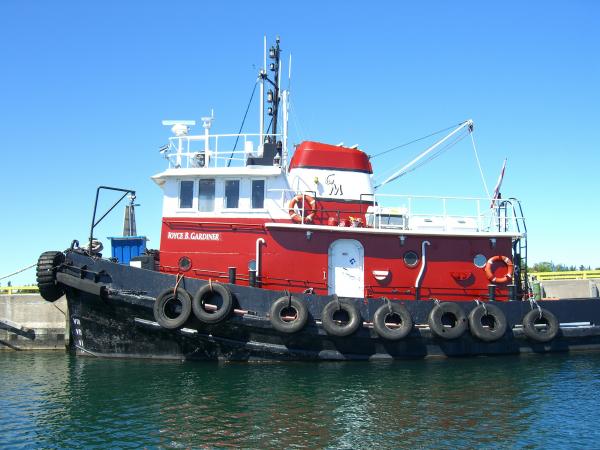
(496, 195)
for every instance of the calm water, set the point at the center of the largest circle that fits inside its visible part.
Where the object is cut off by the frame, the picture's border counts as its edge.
(55, 400)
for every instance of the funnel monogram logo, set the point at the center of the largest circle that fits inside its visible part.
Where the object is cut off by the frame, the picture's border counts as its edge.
(335, 189)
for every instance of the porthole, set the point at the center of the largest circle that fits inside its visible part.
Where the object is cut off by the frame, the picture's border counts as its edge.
(480, 260)
(251, 265)
(411, 259)
(185, 263)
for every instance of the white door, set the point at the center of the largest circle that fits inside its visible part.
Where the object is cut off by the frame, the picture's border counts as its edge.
(346, 268)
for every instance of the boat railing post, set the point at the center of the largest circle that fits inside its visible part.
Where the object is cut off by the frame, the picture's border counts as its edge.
(492, 292)
(512, 292)
(231, 272)
(252, 277)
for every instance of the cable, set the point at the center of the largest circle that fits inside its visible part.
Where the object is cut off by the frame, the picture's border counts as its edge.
(416, 140)
(18, 271)
(242, 125)
(480, 169)
(437, 153)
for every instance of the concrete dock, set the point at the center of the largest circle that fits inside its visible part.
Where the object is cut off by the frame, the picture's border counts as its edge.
(28, 322)
(570, 288)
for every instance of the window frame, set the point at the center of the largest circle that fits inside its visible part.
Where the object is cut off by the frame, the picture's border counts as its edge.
(239, 184)
(214, 196)
(179, 197)
(264, 194)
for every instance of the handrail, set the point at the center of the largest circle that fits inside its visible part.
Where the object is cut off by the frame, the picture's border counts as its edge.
(180, 148)
(485, 219)
(12, 290)
(566, 275)
(446, 214)
(96, 222)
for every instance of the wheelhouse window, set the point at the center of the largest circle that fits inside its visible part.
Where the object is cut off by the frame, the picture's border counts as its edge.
(186, 194)
(206, 195)
(258, 194)
(232, 193)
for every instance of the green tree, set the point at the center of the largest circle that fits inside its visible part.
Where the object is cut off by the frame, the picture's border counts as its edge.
(543, 267)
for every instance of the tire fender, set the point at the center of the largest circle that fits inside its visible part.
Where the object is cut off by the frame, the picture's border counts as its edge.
(47, 263)
(437, 326)
(208, 292)
(487, 334)
(330, 324)
(288, 326)
(166, 313)
(392, 309)
(536, 334)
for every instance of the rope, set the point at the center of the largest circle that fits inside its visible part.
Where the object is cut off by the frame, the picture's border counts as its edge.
(389, 305)
(18, 271)
(479, 165)
(413, 141)
(480, 303)
(177, 281)
(242, 125)
(298, 128)
(54, 304)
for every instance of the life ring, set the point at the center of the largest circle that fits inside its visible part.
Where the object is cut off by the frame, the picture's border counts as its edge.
(306, 202)
(537, 317)
(509, 269)
(172, 309)
(487, 322)
(219, 297)
(333, 326)
(392, 310)
(288, 314)
(447, 320)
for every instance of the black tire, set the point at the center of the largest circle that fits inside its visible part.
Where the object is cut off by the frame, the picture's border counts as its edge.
(172, 310)
(280, 309)
(46, 275)
(447, 313)
(387, 311)
(540, 334)
(211, 293)
(330, 323)
(487, 323)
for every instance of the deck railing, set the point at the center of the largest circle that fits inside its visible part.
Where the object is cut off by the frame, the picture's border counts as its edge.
(12, 290)
(214, 150)
(566, 275)
(469, 214)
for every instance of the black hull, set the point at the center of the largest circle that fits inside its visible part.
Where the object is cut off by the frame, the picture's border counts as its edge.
(111, 315)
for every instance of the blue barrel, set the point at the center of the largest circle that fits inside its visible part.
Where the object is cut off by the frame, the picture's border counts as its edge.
(125, 248)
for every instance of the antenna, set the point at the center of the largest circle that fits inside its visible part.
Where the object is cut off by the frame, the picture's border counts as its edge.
(290, 72)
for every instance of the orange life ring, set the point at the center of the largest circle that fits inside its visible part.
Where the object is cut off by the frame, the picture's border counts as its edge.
(509, 269)
(303, 201)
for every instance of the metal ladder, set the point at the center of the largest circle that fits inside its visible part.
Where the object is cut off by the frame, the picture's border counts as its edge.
(519, 246)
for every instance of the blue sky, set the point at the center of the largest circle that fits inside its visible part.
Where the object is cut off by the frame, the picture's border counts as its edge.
(84, 86)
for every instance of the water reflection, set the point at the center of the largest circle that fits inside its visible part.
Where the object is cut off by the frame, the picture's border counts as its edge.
(62, 401)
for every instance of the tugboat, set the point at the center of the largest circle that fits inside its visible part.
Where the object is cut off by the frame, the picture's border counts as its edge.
(265, 256)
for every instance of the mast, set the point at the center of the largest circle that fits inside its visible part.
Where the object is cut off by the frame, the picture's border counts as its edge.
(273, 97)
(274, 53)
(262, 75)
